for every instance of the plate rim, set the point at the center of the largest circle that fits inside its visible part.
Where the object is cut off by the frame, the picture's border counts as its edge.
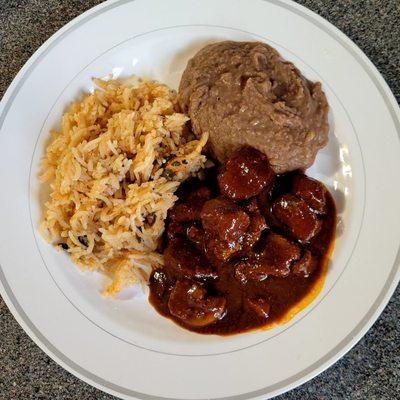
(290, 383)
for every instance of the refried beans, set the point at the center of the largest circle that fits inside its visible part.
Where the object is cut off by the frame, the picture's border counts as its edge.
(244, 93)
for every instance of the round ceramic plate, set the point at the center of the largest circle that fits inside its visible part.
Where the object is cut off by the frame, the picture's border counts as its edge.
(122, 345)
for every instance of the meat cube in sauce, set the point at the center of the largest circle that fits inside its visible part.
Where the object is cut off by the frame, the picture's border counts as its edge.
(311, 191)
(159, 282)
(295, 215)
(257, 225)
(176, 230)
(220, 250)
(260, 306)
(197, 236)
(251, 206)
(184, 212)
(190, 209)
(245, 174)
(253, 234)
(277, 255)
(199, 195)
(190, 303)
(224, 219)
(305, 266)
(275, 258)
(183, 259)
(226, 225)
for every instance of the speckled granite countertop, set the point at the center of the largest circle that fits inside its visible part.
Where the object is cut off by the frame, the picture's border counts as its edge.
(370, 371)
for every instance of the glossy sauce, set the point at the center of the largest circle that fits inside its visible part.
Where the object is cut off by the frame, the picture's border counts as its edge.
(242, 250)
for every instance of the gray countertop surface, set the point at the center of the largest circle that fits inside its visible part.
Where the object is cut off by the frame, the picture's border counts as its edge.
(371, 370)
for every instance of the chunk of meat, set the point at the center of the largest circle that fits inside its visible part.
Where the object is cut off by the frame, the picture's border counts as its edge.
(296, 217)
(199, 195)
(275, 259)
(197, 236)
(257, 225)
(224, 219)
(265, 198)
(278, 254)
(189, 302)
(183, 259)
(190, 209)
(253, 234)
(305, 266)
(221, 250)
(159, 282)
(176, 230)
(245, 174)
(184, 212)
(252, 206)
(311, 191)
(246, 271)
(260, 306)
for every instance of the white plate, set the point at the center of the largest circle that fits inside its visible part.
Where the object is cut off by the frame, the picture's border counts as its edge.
(123, 346)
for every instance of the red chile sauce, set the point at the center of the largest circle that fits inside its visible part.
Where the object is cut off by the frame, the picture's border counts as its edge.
(242, 247)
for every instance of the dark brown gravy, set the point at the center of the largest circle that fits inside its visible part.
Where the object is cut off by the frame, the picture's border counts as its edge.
(235, 302)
